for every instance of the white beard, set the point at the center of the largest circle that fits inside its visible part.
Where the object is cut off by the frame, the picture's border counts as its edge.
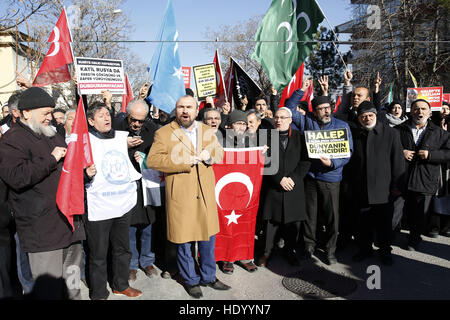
(39, 128)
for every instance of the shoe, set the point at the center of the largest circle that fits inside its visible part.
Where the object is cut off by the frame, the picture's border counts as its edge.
(132, 275)
(194, 291)
(446, 233)
(433, 234)
(227, 267)
(166, 275)
(262, 262)
(291, 259)
(150, 271)
(386, 259)
(308, 254)
(129, 292)
(411, 248)
(362, 255)
(330, 259)
(216, 285)
(249, 266)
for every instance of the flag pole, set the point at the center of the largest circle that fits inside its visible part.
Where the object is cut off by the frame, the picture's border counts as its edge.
(71, 49)
(332, 30)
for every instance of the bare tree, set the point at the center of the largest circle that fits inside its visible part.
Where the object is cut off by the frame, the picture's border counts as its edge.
(413, 37)
(17, 12)
(237, 41)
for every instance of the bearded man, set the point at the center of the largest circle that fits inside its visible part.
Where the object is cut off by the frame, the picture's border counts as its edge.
(377, 168)
(31, 160)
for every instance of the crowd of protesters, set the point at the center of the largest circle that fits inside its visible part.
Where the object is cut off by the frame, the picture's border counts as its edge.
(396, 178)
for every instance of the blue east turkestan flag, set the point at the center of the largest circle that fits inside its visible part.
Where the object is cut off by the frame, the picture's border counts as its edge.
(166, 71)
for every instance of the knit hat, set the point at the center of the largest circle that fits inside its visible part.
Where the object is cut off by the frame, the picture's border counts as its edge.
(320, 100)
(366, 106)
(34, 98)
(237, 115)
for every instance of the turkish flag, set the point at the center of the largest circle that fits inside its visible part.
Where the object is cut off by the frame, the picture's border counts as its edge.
(228, 81)
(338, 102)
(238, 184)
(70, 194)
(126, 98)
(54, 68)
(309, 96)
(296, 83)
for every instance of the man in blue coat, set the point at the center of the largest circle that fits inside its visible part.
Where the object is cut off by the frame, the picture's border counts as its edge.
(323, 179)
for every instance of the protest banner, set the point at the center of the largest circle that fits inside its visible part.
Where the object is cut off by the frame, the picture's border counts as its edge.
(187, 76)
(205, 80)
(432, 94)
(95, 75)
(331, 144)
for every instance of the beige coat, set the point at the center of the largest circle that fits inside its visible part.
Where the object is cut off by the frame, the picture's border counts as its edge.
(190, 198)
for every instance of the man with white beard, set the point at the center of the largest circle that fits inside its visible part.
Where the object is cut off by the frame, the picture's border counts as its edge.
(378, 169)
(425, 147)
(31, 160)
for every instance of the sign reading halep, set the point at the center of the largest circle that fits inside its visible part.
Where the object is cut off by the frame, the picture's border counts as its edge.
(96, 75)
(205, 80)
(331, 144)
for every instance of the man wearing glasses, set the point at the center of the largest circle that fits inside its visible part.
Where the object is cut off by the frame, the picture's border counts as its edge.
(323, 179)
(140, 139)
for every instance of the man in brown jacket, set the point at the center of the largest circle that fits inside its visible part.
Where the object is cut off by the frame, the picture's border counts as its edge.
(184, 150)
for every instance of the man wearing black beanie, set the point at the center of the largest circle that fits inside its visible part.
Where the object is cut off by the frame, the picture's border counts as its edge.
(31, 161)
(377, 168)
(322, 183)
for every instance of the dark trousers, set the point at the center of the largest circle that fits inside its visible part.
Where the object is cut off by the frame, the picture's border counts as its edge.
(6, 289)
(322, 198)
(290, 233)
(376, 218)
(102, 235)
(417, 210)
(207, 261)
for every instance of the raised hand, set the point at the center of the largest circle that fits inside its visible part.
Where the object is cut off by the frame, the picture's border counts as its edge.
(323, 81)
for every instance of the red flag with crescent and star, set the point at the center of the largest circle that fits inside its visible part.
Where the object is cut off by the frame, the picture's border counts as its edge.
(238, 184)
(54, 68)
(70, 194)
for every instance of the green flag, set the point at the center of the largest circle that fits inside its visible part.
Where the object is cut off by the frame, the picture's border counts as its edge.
(287, 21)
(390, 97)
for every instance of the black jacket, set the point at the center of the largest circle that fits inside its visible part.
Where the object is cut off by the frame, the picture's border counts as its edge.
(140, 215)
(32, 175)
(377, 164)
(424, 175)
(6, 219)
(277, 204)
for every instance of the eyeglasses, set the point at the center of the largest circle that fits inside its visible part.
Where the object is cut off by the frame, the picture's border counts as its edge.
(136, 120)
(282, 118)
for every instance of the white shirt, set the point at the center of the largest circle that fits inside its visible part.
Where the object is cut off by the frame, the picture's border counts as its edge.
(417, 133)
(192, 134)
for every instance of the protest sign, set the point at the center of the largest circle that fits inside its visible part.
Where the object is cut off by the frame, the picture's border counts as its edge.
(446, 97)
(205, 80)
(331, 144)
(187, 76)
(95, 75)
(431, 94)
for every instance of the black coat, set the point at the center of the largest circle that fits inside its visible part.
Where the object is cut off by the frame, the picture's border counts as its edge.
(32, 175)
(6, 219)
(140, 215)
(424, 175)
(377, 164)
(277, 204)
